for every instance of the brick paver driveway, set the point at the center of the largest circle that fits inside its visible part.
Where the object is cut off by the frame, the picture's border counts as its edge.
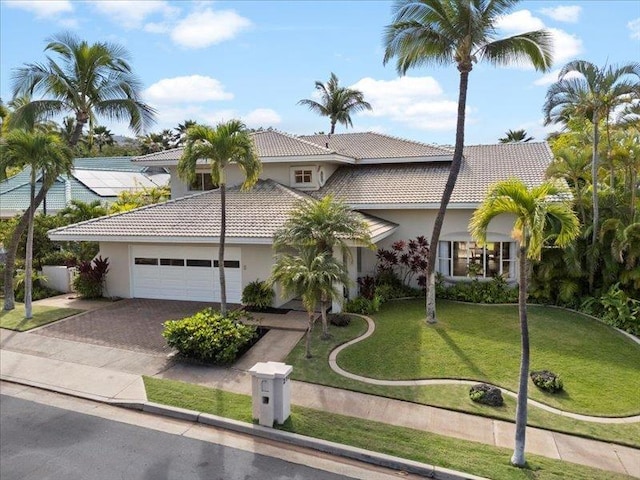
(132, 324)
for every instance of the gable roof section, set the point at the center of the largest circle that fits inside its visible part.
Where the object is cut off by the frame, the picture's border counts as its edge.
(420, 185)
(369, 146)
(252, 217)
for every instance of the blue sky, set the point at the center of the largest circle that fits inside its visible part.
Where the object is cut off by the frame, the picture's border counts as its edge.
(254, 60)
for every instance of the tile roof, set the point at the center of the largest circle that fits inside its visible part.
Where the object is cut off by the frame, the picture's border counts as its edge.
(361, 146)
(371, 145)
(423, 183)
(198, 216)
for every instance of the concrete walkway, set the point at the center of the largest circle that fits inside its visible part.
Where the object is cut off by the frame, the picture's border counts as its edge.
(114, 375)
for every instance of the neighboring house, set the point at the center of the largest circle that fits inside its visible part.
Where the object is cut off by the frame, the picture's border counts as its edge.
(169, 250)
(98, 178)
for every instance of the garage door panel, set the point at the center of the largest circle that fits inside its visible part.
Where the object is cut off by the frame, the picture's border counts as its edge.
(184, 273)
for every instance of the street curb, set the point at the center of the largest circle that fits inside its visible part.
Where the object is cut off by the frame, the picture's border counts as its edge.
(332, 448)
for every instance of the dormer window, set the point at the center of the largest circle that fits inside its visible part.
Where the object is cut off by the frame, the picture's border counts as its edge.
(202, 182)
(304, 177)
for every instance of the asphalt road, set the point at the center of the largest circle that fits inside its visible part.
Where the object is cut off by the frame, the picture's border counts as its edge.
(43, 442)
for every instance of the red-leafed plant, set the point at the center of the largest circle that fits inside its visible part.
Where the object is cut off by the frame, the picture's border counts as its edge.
(89, 282)
(407, 260)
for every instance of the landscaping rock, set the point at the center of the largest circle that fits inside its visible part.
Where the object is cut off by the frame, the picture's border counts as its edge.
(486, 394)
(547, 381)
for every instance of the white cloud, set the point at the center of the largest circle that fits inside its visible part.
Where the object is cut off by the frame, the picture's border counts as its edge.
(191, 89)
(208, 27)
(417, 102)
(262, 117)
(42, 9)
(634, 27)
(563, 13)
(552, 77)
(132, 14)
(519, 22)
(565, 45)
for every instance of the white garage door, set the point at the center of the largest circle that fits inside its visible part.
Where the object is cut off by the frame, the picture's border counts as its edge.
(184, 273)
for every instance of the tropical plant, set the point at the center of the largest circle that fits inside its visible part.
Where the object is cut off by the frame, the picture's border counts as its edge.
(45, 155)
(147, 196)
(572, 165)
(585, 90)
(542, 218)
(314, 276)
(515, 136)
(336, 102)
(78, 211)
(89, 282)
(228, 143)
(441, 32)
(102, 136)
(88, 80)
(258, 294)
(181, 132)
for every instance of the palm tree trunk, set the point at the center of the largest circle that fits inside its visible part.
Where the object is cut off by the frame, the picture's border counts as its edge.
(521, 409)
(223, 231)
(12, 249)
(333, 127)
(81, 120)
(307, 339)
(596, 207)
(28, 262)
(446, 196)
(323, 313)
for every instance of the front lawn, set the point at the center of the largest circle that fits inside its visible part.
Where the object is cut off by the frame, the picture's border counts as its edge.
(472, 457)
(401, 330)
(42, 315)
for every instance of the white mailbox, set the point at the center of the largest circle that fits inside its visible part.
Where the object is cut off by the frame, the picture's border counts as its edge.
(271, 392)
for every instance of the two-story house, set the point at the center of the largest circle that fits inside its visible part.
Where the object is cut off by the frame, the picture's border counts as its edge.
(170, 250)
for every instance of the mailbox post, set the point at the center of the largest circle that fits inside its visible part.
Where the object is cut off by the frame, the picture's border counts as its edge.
(271, 392)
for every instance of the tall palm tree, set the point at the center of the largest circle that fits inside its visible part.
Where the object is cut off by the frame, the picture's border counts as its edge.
(336, 102)
(540, 218)
(323, 225)
(572, 165)
(516, 136)
(102, 136)
(228, 143)
(462, 32)
(313, 276)
(89, 80)
(593, 94)
(181, 132)
(41, 152)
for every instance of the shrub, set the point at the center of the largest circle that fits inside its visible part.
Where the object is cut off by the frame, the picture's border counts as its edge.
(486, 394)
(407, 259)
(61, 257)
(495, 291)
(339, 320)
(615, 308)
(363, 306)
(208, 336)
(367, 286)
(258, 294)
(91, 276)
(547, 381)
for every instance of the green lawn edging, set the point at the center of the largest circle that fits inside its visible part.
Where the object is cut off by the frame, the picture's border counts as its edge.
(42, 315)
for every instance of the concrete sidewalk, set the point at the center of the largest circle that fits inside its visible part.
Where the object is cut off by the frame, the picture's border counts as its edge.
(114, 375)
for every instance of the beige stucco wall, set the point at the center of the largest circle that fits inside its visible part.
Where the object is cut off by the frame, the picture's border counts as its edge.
(279, 172)
(118, 279)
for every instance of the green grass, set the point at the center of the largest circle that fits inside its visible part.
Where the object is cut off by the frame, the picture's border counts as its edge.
(454, 397)
(42, 315)
(472, 457)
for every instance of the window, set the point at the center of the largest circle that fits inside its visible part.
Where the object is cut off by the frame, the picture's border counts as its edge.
(198, 263)
(145, 261)
(202, 182)
(461, 259)
(228, 263)
(172, 262)
(302, 175)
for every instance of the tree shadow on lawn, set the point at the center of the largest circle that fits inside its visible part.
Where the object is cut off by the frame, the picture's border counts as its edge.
(461, 354)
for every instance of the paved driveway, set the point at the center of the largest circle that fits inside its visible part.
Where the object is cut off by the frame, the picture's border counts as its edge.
(132, 324)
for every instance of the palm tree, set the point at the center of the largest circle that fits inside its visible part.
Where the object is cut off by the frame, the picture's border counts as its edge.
(336, 102)
(229, 143)
(593, 94)
(79, 211)
(102, 136)
(572, 165)
(516, 136)
(541, 217)
(181, 132)
(323, 226)
(88, 80)
(462, 32)
(42, 152)
(313, 276)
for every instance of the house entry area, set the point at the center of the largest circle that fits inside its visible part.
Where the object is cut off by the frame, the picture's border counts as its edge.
(184, 273)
